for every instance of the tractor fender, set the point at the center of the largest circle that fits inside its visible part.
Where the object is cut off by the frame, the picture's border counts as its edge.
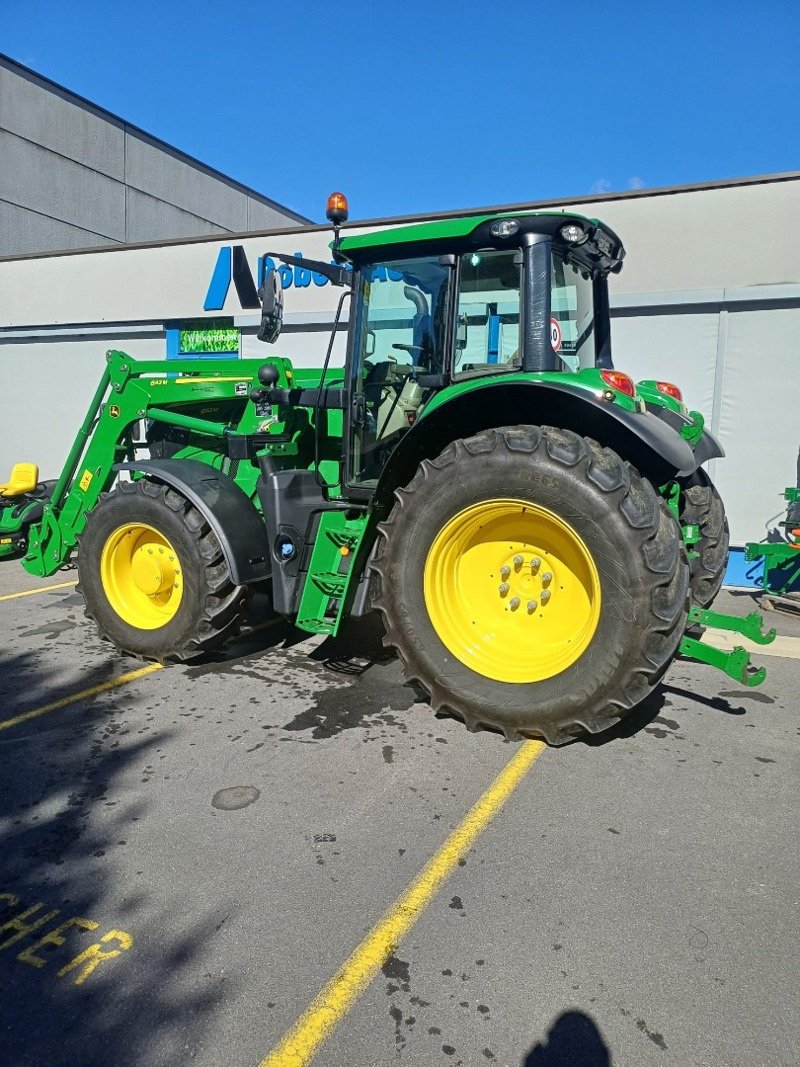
(708, 447)
(642, 439)
(237, 525)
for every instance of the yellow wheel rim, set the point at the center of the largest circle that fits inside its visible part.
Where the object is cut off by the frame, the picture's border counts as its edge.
(512, 591)
(141, 576)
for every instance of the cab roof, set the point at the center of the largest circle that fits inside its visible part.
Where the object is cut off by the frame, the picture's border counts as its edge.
(601, 252)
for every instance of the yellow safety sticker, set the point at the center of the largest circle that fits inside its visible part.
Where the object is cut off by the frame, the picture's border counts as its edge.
(27, 921)
(86, 480)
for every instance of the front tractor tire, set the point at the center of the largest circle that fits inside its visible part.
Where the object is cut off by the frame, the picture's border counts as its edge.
(532, 582)
(153, 576)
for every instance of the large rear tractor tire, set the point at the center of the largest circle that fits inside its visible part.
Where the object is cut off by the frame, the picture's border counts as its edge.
(153, 575)
(701, 505)
(532, 582)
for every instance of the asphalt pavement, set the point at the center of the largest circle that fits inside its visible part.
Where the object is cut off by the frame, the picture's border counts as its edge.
(189, 854)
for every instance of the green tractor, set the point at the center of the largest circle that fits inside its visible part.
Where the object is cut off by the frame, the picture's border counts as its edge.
(537, 535)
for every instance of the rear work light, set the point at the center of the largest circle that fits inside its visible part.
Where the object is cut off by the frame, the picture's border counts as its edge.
(670, 390)
(619, 381)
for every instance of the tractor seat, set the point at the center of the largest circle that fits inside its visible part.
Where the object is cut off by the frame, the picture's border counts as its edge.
(24, 479)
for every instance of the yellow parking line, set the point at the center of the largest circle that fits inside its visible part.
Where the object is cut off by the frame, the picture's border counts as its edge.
(300, 1043)
(113, 683)
(84, 694)
(41, 589)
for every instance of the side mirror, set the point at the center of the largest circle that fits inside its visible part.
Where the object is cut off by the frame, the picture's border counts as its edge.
(461, 333)
(369, 344)
(271, 296)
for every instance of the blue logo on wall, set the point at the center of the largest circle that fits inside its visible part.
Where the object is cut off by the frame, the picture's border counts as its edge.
(232, 266)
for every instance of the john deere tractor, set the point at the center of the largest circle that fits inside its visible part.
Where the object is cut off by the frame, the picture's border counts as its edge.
(537, 534)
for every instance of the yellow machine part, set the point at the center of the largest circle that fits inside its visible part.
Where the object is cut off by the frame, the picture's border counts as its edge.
(24, 479)
(141, 575)
(512, 590)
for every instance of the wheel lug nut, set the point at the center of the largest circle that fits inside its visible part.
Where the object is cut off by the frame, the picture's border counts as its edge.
(545, 596)
(531, 606)
(514, 603)
(518, 561)
(547, 578)
(505, 572)
(535, 564)
(503, 588)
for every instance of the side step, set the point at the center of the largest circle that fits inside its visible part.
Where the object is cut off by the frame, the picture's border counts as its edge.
(328, 577)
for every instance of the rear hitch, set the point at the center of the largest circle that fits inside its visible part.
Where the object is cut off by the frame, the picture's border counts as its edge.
(736, 662)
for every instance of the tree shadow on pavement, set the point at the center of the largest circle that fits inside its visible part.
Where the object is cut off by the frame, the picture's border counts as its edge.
(572, 1041)
(93, 970)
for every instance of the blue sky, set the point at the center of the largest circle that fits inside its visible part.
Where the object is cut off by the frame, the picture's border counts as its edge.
(425, 106)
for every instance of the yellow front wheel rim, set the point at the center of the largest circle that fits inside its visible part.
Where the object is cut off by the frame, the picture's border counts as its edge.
(142, 576)
(512, 591)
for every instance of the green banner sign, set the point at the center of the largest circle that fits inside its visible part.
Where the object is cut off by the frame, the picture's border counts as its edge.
(208, 335)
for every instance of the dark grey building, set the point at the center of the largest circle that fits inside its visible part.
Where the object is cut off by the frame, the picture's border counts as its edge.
(73, 175)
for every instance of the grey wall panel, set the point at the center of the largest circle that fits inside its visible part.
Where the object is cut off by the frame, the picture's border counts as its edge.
(66, 374)
(305, 348)
(35, 177)
(677, 348)
(262, 217)
(164, 177)
(72, 130)
(149, 219)
(23, 231)
(760, 420)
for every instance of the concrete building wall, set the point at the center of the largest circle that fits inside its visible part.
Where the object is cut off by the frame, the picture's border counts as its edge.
(75, 176)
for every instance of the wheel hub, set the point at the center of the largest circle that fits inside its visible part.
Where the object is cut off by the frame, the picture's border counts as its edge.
(512, 590)
(141, 576)
(152, 569)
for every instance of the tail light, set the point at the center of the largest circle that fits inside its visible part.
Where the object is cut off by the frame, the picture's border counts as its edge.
(619, 381)
(670, 390)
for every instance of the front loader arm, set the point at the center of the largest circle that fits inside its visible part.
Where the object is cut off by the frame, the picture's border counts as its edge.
(131, 390)
(103, 439)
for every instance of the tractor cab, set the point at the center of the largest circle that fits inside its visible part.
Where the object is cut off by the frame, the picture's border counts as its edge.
(509, 295)
(443, 303)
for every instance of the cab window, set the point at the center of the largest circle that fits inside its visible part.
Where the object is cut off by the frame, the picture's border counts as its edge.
(572, 332)
(488, 326)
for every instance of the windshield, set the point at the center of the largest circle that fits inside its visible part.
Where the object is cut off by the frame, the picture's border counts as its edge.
(572, 332)
(403, 312)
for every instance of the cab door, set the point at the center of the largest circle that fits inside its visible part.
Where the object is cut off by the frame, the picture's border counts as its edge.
(400, 334)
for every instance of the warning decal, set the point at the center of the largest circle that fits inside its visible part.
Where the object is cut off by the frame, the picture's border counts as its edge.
(555, 334)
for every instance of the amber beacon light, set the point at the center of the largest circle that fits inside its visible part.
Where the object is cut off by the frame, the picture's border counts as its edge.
(336, 209)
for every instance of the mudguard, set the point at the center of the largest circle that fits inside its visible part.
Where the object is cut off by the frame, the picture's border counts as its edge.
(238, 526)
(708, 447)
(643, 439)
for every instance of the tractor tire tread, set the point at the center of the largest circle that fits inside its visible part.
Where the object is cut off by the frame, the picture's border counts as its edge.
(652, 529)
(225, 602)
(701, 505)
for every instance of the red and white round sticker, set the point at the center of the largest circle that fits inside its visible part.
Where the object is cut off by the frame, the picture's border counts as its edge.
(555, 334)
